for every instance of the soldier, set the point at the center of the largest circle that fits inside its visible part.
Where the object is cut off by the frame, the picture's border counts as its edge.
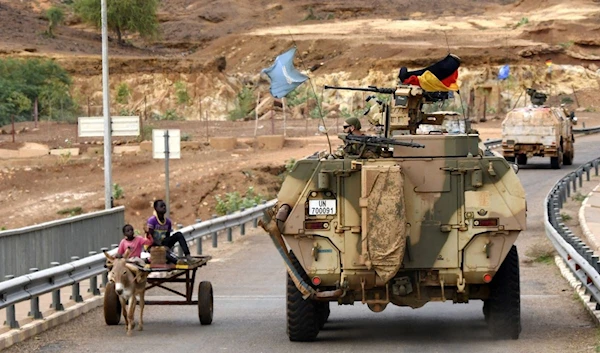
(352, 126)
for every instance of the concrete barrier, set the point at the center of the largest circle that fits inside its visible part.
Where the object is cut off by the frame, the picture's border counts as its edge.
(270, 142)
(65, 152)
(133, 149)
(223, 143)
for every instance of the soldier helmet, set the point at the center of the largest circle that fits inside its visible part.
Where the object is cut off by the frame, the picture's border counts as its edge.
(354, 122)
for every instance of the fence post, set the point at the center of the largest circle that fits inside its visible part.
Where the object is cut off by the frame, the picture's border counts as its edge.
(11, 320)
(568, 188)
(243, 225)
(105, 273)
(199, 240)
(93, 280)
(34, 311)
(587, 173)
(56, 304)
(215, 236)
(574, 180)
(596, 167)
(75, 295)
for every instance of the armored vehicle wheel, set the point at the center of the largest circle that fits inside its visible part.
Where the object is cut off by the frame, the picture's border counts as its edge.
(504, 313)
(323, 312)
(112, 305)
(568, 157)
(555, 162)
(205, 303)
(522, 159)
(303, 318)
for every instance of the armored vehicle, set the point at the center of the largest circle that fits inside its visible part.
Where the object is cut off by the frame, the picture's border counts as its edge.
(431, 217)
(538, 131)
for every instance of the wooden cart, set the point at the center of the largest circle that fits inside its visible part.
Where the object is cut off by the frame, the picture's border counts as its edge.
(174, 274)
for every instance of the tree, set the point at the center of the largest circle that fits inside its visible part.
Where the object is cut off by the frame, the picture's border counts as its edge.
(36, 80)
(55, 16)
(137, 16)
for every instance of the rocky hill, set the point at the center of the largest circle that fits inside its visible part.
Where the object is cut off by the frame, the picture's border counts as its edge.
(216, 47)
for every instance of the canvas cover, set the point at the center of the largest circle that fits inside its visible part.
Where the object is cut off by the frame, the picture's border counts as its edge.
(383, 218)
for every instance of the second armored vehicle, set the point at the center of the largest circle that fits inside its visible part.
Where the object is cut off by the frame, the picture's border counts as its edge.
(538, 131)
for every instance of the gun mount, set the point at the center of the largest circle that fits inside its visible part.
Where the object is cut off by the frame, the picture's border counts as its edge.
(537, 98)
(405, 109)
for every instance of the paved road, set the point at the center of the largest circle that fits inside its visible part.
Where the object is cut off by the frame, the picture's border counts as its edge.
(249, 283)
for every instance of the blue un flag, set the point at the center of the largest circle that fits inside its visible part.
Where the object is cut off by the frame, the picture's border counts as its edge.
(284, 77)
(504, 72)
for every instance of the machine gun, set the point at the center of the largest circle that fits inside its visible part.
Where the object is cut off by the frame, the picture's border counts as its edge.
(384, 90)
(375, 144)
(377, 141)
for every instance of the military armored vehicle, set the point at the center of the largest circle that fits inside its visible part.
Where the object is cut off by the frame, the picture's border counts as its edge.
(432, 217)
(538, 131)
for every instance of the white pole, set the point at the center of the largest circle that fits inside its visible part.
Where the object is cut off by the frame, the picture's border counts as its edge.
(256, 115)
(284, 134)
(108, 202)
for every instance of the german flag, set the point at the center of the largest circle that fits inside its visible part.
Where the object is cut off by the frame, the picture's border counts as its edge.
(439, 77)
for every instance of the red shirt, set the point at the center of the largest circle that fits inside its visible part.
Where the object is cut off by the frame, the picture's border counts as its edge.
(136, 246)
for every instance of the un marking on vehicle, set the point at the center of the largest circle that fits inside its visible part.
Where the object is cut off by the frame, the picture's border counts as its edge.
(321, 207)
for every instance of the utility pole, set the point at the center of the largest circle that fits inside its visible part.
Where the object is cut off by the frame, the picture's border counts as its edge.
(108, 202)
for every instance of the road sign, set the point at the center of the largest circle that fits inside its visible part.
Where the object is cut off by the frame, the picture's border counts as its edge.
(93, 126)
(159, 145)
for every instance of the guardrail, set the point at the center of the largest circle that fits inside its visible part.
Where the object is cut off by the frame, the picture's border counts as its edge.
(40, 245)
(576, 254)
(31, 286)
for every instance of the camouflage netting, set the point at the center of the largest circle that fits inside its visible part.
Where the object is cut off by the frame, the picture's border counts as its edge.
(384, 219)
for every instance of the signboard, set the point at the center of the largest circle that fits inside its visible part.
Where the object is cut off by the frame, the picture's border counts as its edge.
(158, 144)
(93, 126)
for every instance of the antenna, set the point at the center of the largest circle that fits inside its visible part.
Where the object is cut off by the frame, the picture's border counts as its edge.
(314, 93)
(447, 45)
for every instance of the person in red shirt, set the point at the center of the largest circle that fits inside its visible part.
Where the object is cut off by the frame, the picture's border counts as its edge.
(135, 244)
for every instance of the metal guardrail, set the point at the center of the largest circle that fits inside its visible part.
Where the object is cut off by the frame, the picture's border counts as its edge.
(40, 245)
(577, 255)
(31, 286)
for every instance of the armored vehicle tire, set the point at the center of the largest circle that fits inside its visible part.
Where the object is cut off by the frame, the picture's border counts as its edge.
(521, 159)
(303, 317)
(323, 312)
(504, 304)
(555, 162)
(568, 158)
(205, 303)
(112, 305)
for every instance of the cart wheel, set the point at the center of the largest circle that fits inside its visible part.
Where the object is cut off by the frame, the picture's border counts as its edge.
(112, 305)
(205, 303)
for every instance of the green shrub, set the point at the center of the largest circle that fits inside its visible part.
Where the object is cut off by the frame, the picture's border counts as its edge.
(244, 104)
(117, 191)
(146, 133)
(181, 92)
(233, 201)
(170, 115)
(73, 211)
(123, 93)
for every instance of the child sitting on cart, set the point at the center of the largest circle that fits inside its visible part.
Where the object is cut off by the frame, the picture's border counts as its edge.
(134, 243)
(159, 228)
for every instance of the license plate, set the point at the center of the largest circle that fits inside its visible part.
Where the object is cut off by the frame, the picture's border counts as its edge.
(321, 207)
